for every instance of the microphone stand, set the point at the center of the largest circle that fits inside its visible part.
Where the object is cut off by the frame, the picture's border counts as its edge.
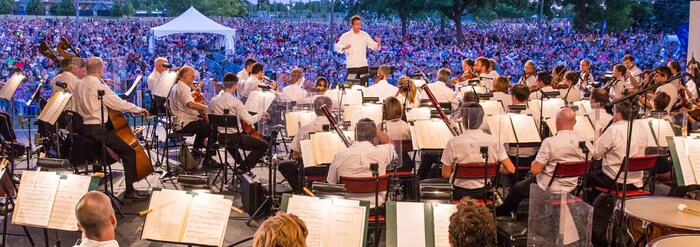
(586, 151)
(484, 150)
(631, 98)
(374, 167)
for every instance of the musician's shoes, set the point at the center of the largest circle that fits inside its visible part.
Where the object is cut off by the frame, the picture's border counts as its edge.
(137, 195)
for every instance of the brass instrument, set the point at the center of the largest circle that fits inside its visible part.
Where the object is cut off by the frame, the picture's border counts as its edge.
(63, 46)
(49, 53)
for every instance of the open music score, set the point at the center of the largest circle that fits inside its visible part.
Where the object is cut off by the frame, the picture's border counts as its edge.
(476, 89)
(55, 106)
(331, 222)
(294, 120)
(418, 224)
(429, 134)
(584, 126)
(133, 86)
(549, 106)
(259, 101)
(685, 153)
(514, 128)
(350, 97)
(322, 147)
(354, 113)
(187, 217)
(660, 129)
(166, 81)
(492, 107)
(584, 106)
(418, 113)
(8, 90)
(48, 199)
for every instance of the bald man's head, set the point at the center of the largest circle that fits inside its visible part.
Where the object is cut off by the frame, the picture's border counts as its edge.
(566, 119)
(95, 66)
(186, 74)
(159, 64)
(96, 216)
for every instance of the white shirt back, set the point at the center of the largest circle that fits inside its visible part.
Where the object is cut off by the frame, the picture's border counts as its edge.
(381, 89)
(181, 94)
(442, 93)
(611, 148)
(354, 162)
(293, 93)
(225, 100)
(563, 147)
(465, 149)
(87, 103)
(152, 80)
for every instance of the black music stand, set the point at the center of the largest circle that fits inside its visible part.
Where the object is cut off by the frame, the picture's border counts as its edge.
(225, 121)
(9, 191)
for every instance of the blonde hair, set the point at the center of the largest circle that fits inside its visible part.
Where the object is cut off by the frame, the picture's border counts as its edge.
(404, 82)
(281, 230)
(501, 84)
(392, 108)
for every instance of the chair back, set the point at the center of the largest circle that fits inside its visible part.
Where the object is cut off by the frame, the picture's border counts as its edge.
(569, 169)
(223, 121)
(364, 184)
(475, 170)
(642, 163)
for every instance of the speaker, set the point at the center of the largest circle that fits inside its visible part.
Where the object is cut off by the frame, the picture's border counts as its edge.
(252, 194)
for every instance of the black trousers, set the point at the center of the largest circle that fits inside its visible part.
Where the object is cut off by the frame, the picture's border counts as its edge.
(517, 194)
(258, 148)
(427, 159)
(476, 194)
(523, 162)
(597, 178)
(291, 170)
(6, 127)
(121, 148)
(201, 130)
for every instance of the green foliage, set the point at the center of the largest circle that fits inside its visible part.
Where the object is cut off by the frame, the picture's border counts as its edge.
(225, 8)
(125, 9)
(35, 7)
(671, 13)
(64, 8)
(7, 7)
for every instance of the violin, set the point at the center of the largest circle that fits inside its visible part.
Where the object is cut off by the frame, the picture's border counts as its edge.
(467, 75)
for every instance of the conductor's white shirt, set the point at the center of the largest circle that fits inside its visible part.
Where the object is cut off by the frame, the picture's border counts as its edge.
(87, 102)
(179, 96)
(356, 55)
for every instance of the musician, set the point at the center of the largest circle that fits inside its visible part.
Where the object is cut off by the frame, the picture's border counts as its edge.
(355, 160)
(186, 112)
(294, 92)
(255, 80)
(96, 220)
(68, 76)
(354, 44)
(616, 86)
(544, 83)
(87, 104)
(611, 148)
(381, 89)
(558, 74)
(599, 99)
(321, 85)
(158, 69)
(245, 73)
(407, 93)
(585, 78)
(472, 224)
(500, 90)
(439, 88)
(529, 78)
(662, 75)
(290, 169)
(467, 73)
(567, 89)
(281, 230)
(238, 140)
(563, 147)
(492, 69)
(482, 68)
(392, 111)
(456, 152)
(633, 73)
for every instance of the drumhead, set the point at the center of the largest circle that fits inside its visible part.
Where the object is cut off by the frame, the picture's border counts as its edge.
(664, 211)
(675, 241)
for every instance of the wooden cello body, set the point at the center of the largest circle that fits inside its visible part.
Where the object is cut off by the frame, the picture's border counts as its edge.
(144, 167)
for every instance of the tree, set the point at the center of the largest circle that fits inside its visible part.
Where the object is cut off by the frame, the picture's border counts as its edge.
(208, 7)
(7, 7)
(671, 13)
(65, 7)
(128, 9)
(35, 7)
(455, 9)
(616, 13)
(404, 9)
(584, 9)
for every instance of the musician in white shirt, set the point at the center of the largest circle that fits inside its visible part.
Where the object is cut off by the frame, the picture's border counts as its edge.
(570, 94)
(529, 78)
(500, 91)
(381, 89)
(290, 169)
(96, 220)
(87, 105)
(585, 78)
(294, 92)
(611, 148)
(633, 73)
(600, 98)
(237, 140)
(439, 88)
(523, 156)
(244, 74)
(408, 94)
(544, 83)
(354, 44)
(355, 160)
(617, 84)
(563, 147)
(68, 76)
(255, 79)
(482, 69)
(662, 75)
(465, 148)
(158, 69)
(185, 112)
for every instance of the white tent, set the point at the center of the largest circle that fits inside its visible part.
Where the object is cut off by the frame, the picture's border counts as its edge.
(192, 21)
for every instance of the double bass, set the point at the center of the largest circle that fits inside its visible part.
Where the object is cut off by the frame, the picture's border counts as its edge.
(144, 167)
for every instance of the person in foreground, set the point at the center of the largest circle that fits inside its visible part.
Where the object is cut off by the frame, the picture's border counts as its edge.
(472, 225)
(96, 220)
(281, 230)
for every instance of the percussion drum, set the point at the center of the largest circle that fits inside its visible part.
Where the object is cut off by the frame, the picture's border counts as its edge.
(648, 218)
(680, 240)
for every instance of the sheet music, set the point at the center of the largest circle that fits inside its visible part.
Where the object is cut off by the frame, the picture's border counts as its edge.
(325, 145)
(133, 86)
(686, 166)
(314, 214)
(351, 97)
(414, 138)
(70, 190)
(410, 224)
(259, 101)
(207, 220)
(583, 127)
(307, 153)
(431, 134)
(346, 226)
(8, 90)
(584, 106)
(500, 126)
(294, 120)
(692, 148)
(492, 107)
(441, 223)
(549, 106)
(661, 129)
(418, 113)
(371, 111)
(37, 192)
(166, 81)
(168, 216)
(55, 106)
(525, 129)
(476, 89)
(348, 111)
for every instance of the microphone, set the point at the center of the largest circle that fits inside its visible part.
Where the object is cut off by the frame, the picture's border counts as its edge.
(484, 150)
(543, 94)
(168, 65)
(583, 147)
(61, 84)
(263, 86)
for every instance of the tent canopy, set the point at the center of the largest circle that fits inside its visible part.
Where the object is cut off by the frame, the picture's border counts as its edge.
(192, 21)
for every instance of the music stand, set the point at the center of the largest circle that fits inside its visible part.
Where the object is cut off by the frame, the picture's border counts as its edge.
(227, 122)
(128, 93)
(9, 192)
